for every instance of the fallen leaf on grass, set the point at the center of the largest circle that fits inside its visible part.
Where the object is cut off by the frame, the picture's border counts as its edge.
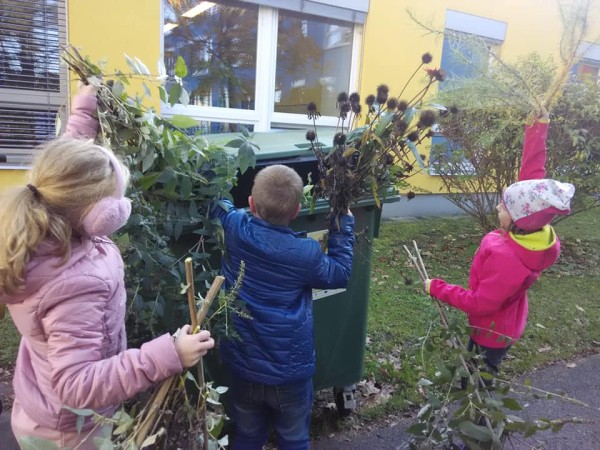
(544, 349)
(579, 308)
(539, 325)
(571, 365)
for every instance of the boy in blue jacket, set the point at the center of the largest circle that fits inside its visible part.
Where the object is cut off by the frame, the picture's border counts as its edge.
(273, 361)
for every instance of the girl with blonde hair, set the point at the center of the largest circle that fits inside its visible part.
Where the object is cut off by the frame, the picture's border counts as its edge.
(63, 281)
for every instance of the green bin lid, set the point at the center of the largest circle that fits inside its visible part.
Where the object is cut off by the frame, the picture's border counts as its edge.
(279, 143)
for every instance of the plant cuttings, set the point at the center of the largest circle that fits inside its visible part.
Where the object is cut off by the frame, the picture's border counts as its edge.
(369, 157)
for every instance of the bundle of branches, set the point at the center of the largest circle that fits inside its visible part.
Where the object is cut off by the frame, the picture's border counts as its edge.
(176, 174)
(367, 160)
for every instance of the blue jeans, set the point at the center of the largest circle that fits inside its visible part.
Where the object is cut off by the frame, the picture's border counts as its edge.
(286, 408)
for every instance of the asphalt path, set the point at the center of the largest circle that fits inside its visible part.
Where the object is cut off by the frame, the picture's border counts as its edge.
(578, 379)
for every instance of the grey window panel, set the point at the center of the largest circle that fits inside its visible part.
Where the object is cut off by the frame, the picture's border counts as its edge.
(346, 10)
(471, 24)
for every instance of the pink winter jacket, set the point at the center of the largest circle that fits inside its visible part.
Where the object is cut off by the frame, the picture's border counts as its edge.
(71, 318)
(505, 266)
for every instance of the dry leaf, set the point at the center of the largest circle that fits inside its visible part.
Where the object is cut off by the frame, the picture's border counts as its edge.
(544, 349)
(571, 365)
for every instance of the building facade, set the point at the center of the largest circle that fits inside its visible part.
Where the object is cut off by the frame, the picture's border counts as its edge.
(255, 63)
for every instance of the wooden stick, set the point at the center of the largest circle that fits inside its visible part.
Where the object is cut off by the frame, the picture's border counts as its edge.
(191, 293)
(189, 278)
(420, 260)
(210, 296)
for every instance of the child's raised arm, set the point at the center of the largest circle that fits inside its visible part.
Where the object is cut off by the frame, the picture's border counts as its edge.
(533, 163)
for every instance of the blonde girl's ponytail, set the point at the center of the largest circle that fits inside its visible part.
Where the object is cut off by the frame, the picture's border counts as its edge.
(67, 177)
(24, 223)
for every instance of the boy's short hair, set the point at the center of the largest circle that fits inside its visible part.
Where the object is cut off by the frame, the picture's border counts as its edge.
(277, 192)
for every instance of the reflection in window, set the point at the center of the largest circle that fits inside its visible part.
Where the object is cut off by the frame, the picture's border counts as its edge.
(588, 71)
(209, 127)
(313, 62)
(218, 44)
(466, 56)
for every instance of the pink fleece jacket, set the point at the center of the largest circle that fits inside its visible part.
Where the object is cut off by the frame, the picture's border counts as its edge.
(72, 321)
(504, 267)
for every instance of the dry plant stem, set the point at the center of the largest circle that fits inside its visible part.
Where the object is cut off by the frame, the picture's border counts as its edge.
(189, 278)
(155, 405)
(455, 342)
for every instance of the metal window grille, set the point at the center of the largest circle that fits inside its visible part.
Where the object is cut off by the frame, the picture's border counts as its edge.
(33, 82)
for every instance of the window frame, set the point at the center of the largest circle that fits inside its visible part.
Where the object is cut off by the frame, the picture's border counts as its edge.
(263, 117)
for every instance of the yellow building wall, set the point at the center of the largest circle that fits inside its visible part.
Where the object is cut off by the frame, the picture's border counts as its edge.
(394, 43)
(108, 30)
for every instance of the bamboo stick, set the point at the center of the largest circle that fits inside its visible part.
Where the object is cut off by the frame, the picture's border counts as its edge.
(189, 278)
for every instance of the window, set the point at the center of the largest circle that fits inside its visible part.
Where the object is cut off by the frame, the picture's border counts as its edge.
(32, 82)
(470, 43)
(588, 67)
(313, 63)
(258, 63)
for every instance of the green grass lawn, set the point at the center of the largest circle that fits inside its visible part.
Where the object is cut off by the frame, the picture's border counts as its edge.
(564, 318)
(9, 341)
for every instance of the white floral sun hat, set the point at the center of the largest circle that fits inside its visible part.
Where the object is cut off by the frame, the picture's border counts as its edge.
(534, 203)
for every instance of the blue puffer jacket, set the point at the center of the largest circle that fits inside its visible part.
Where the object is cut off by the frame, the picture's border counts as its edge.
(276, 345)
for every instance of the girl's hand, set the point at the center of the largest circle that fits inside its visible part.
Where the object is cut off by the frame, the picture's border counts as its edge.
(86, 89)
(426, 285)
(192, 347)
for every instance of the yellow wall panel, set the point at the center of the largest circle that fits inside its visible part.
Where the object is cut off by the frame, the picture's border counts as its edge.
(112, 28)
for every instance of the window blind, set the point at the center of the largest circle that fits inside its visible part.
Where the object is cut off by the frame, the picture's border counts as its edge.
(32, 79)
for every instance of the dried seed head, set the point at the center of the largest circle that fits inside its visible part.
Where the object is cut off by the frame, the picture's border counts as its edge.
(370, 100)
(339, 139)
(354, 97)
(342, 97)
(413, 136)
(312, 111)
(356, 108)
(427, 118)
(392, 103)
(437, 74)
(383, 88)
(426, 58)
(311, 135)
(402, 105)
(382, 93)
(401, 126)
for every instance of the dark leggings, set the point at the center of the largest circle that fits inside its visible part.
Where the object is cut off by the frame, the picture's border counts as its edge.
(492, 357)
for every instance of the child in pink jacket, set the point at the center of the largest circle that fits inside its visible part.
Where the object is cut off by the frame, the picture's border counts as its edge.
(511, 259)
(63, 281)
